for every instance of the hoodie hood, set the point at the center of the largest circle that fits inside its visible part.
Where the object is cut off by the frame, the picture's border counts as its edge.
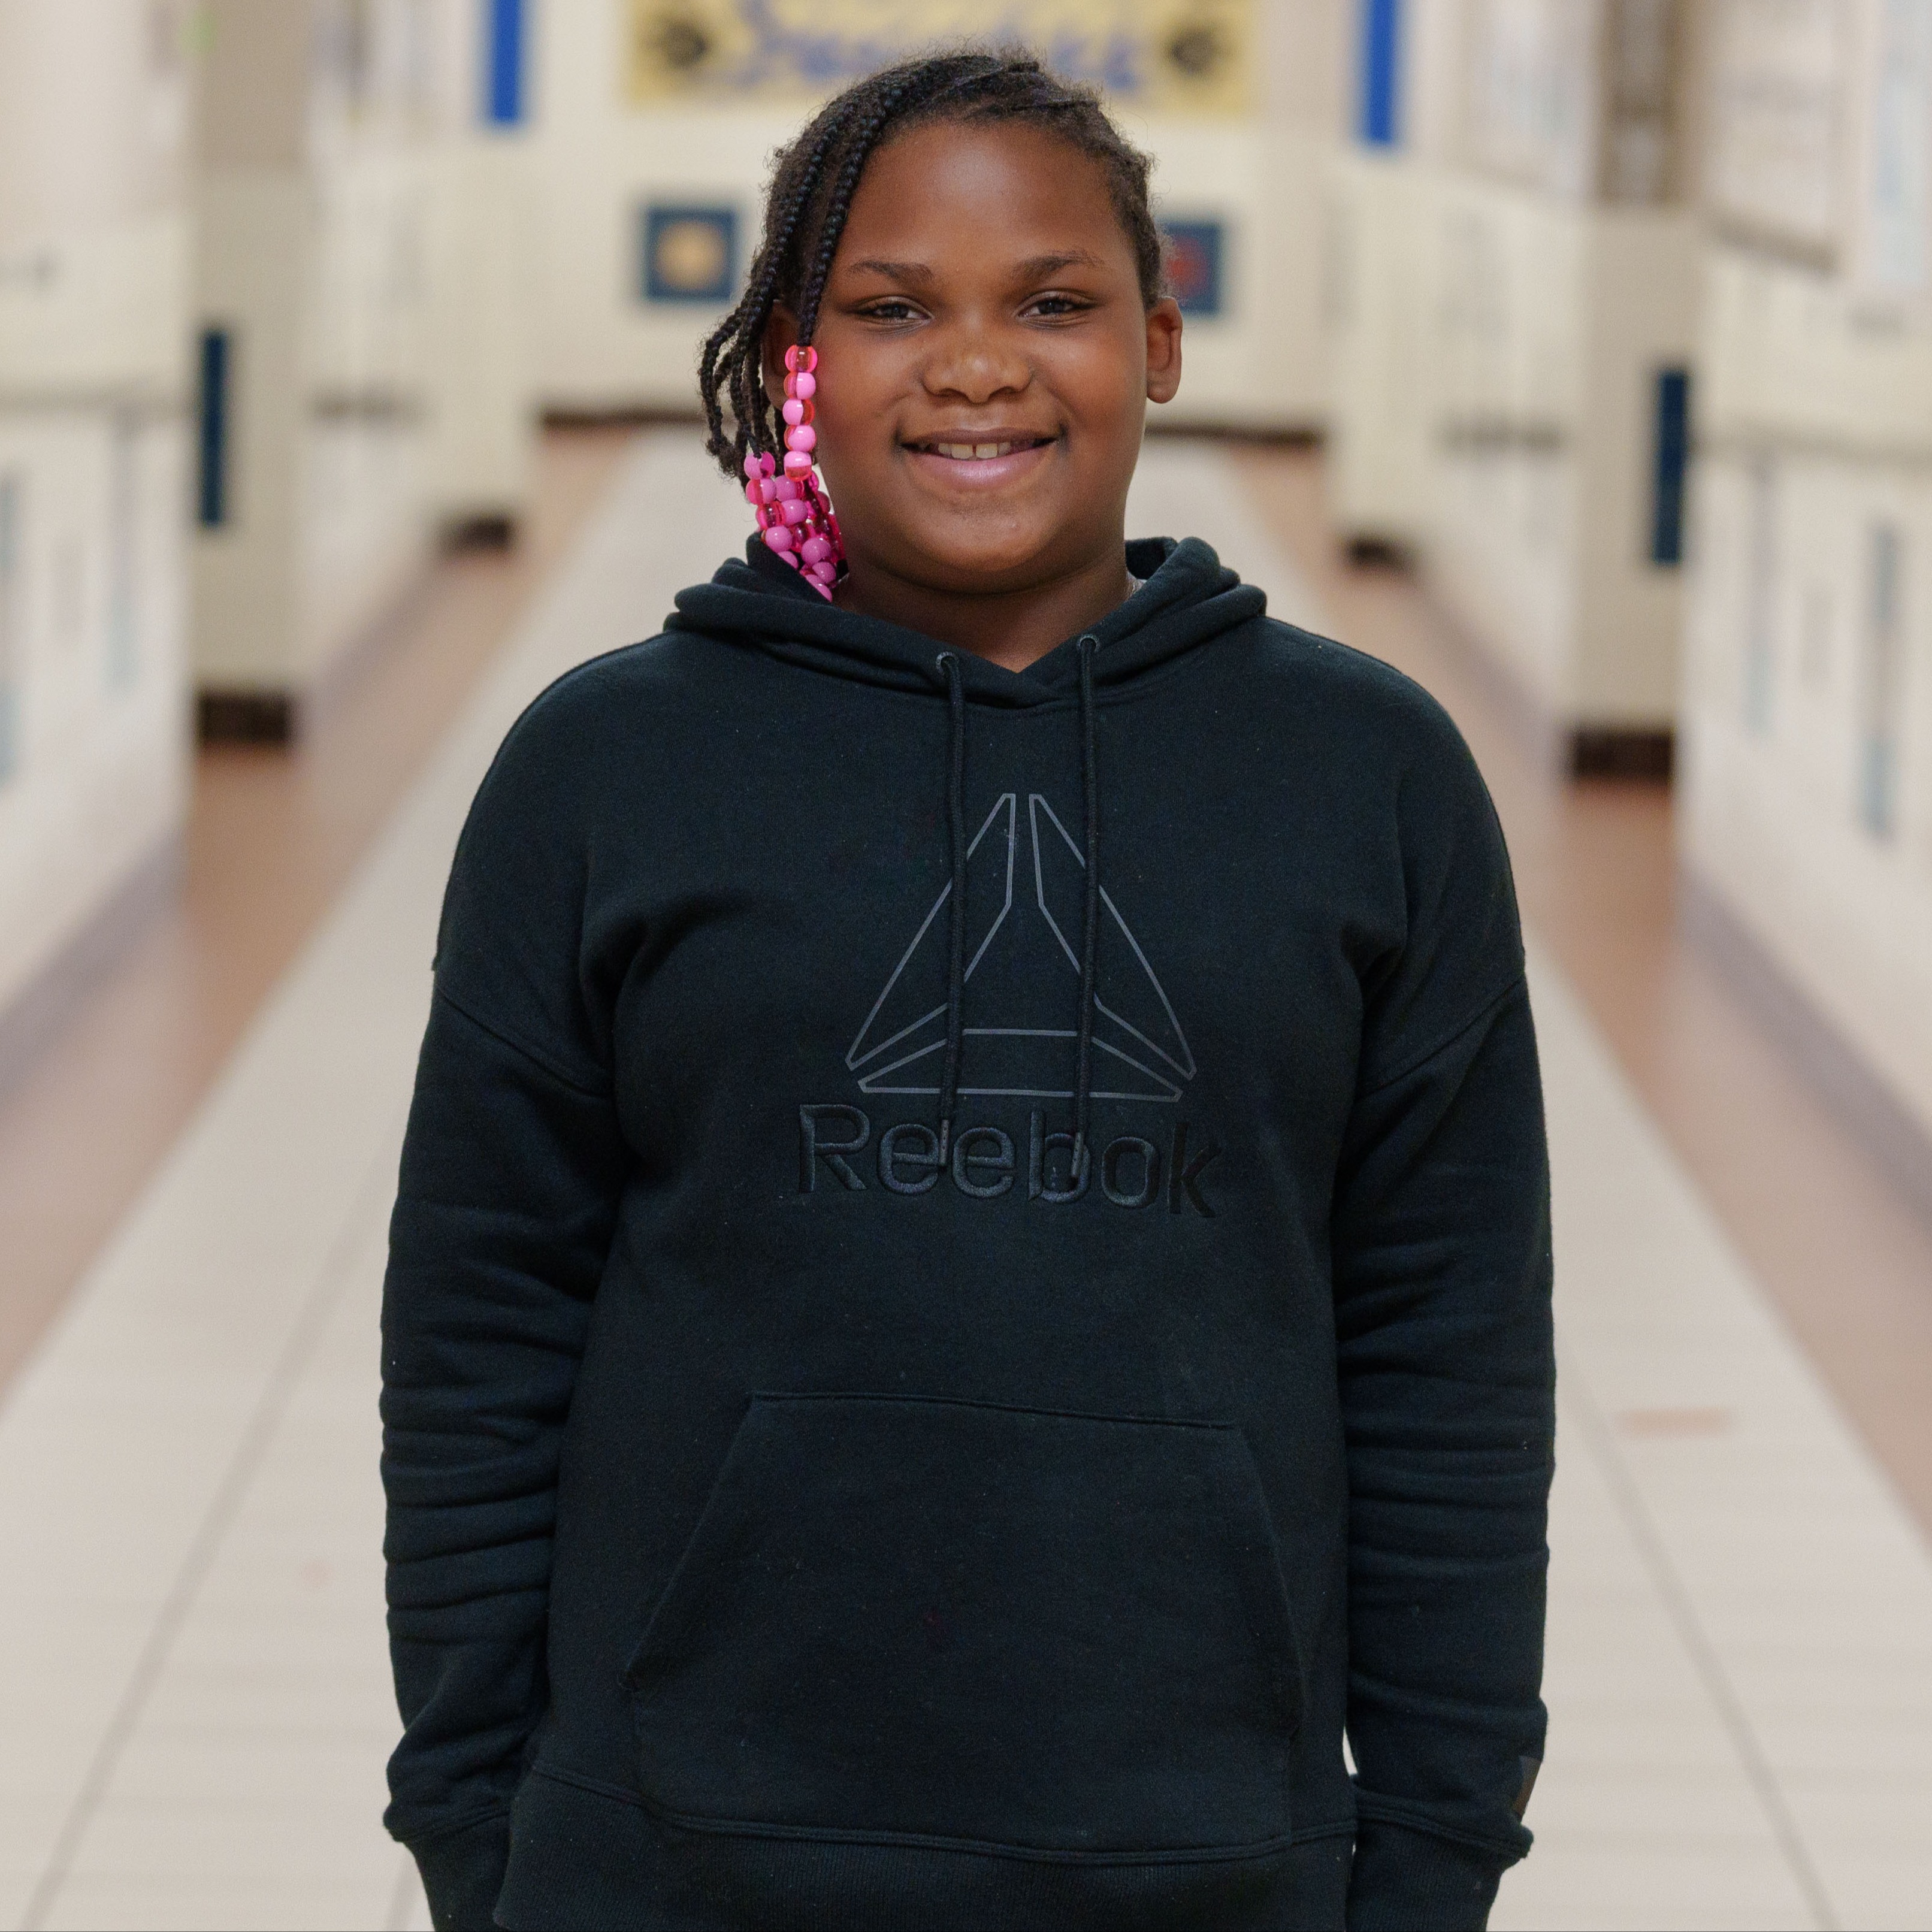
(1188, 598)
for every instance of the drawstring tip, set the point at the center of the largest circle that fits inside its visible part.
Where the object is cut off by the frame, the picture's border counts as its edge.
(945, 1140)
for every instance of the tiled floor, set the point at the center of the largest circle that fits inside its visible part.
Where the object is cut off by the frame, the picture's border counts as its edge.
(273, 836)
(193, 1683)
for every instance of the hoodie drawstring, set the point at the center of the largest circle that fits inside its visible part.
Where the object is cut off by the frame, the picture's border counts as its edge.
(956, 975)
(1089, 921)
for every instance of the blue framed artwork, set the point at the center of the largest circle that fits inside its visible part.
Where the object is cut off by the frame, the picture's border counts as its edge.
(690, 253)
(1196, 263)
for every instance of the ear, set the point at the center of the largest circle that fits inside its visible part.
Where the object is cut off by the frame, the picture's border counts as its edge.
(1163, 350)
(780, 332)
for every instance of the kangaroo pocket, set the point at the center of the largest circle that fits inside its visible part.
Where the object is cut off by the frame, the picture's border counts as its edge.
(941, 1620)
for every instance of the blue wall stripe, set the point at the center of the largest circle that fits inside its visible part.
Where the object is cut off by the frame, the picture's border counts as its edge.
(1378, 111)
(216, 376)
(505, 25)
(1672, 459)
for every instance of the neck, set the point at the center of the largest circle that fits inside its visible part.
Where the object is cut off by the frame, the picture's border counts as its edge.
(1012, 628)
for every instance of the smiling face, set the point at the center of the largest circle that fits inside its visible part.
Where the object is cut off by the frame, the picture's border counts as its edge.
(987, 359)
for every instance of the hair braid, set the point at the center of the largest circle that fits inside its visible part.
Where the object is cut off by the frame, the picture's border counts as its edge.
(747, 322)
(814, 179)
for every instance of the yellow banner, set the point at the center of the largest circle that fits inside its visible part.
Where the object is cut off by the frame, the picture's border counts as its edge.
(1167, 56)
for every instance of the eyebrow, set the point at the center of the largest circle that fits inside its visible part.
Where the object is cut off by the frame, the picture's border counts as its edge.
(895, 272)
(1041, 266)
(1037, 267)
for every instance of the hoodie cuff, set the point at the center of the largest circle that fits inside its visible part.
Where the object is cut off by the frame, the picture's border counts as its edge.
(1405, 1881)
(463, 1873)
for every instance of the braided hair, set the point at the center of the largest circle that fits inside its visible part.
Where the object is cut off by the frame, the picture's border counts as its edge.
(814, 180)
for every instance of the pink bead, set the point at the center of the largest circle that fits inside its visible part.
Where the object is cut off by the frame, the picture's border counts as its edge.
(794, 512)
(804, 385)
(753, 462)
(795, 412)
(798, 463)
(816, 550)
(801, 436)
(767, 491)
(796, 358)
(786, 488)
(752, 495)
(778, 538)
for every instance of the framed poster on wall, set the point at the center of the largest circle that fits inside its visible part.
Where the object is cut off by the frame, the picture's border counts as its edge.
(1773, 159)
(1891, 150)
(1173, 56)
(1529, 97)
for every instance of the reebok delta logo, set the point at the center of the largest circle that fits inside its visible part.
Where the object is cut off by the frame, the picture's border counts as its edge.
(1024, 888)
(1020, 969)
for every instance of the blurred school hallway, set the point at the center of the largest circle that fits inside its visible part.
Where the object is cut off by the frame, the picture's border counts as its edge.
(193, 1670)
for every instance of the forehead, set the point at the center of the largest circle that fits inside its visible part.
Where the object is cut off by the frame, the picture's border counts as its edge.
(956, 190)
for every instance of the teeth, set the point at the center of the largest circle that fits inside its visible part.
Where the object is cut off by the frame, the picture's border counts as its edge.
(964, 452)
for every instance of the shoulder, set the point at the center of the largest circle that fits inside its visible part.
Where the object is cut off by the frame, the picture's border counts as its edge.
(1365, 710)
(618, 690)
(642, 701)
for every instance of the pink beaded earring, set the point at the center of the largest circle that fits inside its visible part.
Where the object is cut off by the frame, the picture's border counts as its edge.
(794, 514)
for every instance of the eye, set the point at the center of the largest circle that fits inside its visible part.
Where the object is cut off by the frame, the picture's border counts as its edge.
(1052, 307)
(893, 308)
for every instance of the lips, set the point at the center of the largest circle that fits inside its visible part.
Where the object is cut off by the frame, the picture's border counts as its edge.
(993, 461)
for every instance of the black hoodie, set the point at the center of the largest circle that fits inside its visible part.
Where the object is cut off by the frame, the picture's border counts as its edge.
(971, 1284)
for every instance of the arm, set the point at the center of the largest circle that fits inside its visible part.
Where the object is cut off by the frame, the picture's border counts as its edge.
(1442, 1282)
(1442, 1276)
(512, 1169)
(509, 1181)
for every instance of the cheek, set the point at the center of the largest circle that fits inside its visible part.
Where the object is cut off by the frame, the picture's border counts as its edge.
(1103, 380)
(858, 388)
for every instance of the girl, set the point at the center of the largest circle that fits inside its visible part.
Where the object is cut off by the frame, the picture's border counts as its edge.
(970, 1286)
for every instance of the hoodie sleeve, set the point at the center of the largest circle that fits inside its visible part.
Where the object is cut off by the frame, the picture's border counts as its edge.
(1442, 1288)
(512, 1167)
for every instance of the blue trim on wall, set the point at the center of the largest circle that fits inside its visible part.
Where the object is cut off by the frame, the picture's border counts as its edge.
(1379, 106)
(1879, 745)
(1671, 461)
(505, 33)
(217, 374)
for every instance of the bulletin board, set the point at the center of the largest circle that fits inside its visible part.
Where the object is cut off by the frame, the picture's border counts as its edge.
(1168, 56)
(1773, 160)
(1530, 86)
(1892, 158)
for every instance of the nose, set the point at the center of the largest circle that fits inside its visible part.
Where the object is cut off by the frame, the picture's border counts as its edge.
(974, 362)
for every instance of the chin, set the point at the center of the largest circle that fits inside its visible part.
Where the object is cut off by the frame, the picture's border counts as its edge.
(970, 559)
